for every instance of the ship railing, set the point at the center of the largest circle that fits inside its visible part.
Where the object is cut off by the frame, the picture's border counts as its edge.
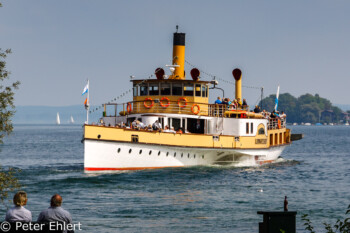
(277, 123)
(192, 108)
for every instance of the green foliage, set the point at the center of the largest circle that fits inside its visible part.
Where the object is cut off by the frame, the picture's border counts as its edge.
(6, 97)
(341, 226)
(8, 182)
(305, 108)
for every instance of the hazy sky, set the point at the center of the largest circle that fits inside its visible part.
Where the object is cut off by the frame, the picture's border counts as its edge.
(302, 45)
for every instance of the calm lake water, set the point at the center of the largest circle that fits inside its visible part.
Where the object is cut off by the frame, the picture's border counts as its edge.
(314, 173)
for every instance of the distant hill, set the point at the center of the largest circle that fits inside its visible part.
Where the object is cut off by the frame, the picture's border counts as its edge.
(306, 108)
(47, 114)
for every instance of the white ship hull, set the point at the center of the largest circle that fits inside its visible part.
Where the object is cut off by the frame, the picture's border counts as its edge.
(108, 156)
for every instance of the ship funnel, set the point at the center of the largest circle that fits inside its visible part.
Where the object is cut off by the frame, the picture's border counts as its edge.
(195, 73)
(237, 74)
(159, 73)
(179, 56)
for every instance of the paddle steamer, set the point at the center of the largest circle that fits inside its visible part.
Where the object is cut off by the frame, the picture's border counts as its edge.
(204, 133)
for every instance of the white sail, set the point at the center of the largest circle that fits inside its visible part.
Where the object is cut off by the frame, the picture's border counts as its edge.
(58, 121)
(71, 120)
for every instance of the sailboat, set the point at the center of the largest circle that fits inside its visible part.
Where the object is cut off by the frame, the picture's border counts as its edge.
(58, 121)
(71, 120)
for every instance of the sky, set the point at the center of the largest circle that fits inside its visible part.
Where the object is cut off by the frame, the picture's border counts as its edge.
(303, 46)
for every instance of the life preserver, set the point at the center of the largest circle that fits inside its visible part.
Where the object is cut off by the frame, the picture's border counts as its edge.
(182, 99)
(148, 106)
(198, 109)
(279, 123)
(243, 115)
(129, 107)
(164, 105)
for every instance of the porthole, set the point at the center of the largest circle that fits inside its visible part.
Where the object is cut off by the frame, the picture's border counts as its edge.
(150, 152)
(130, 151)
(175, 154)
(99, 136)
(188, 156)
(167, 153)
(158, 153)
(182, 155)
(140, 152)
(194, 156)
(118, 150)
(202, 156)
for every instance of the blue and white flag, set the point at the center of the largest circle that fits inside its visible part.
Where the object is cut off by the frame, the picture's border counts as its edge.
(86, 89)
(277, 95)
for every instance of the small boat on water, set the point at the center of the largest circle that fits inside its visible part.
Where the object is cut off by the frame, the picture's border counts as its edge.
(170, 123)
(58, 121)
(71, 120)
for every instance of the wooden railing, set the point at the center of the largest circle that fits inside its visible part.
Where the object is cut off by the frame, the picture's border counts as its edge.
(203, 109)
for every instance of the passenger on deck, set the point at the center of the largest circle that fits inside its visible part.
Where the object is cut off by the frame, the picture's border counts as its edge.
(166, 129)
(218, 101)
(239, 103)
(257, 109)
(233, 105)
(244, 104)
(156, 125)
(265, 114)
(224, 101)
(283, 115)
(18, 213)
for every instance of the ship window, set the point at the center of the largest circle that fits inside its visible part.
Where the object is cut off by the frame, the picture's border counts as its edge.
(143, 90)
(130, 151)
(135, 91)
(202, 156)
(99, 136)
(176, 89)
(140, 152)
(182, 155)
(176, 123)
(134, 138)
(188, 90)
(276, 138)
(118, 150)
(251, 128)
(158, 153)
(165, 89)
(188, 155)
(261, 131)
(204, 90)
(271, 139)
(198, 90)
(153, 89)
(150, 152)
(175, 154)
(167, 153)
(194, 156)
(247, 128)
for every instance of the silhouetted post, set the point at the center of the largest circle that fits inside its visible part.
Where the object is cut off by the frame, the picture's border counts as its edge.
(285, 203)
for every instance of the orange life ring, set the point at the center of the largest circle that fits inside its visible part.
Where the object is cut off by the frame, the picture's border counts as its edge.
(181, 100)
(243, 115)
(129, 107)
(148, 106)
(164, 105)
(198, 109)
(279, 123)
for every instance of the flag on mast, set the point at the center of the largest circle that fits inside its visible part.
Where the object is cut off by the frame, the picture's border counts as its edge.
(277, 95)
(86, 89)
